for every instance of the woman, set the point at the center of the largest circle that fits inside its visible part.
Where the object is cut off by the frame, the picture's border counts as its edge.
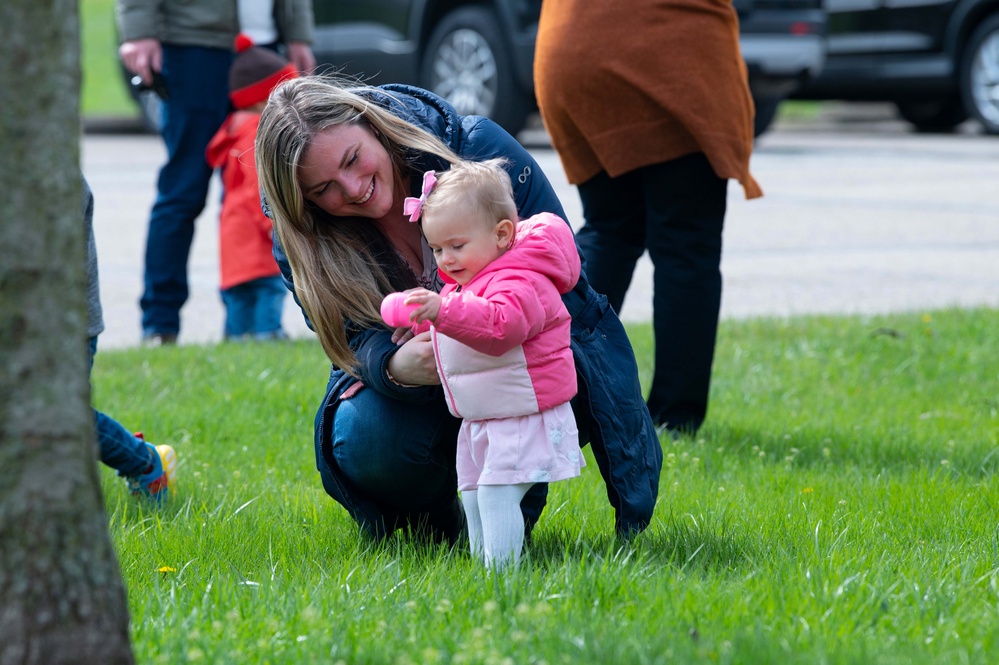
(335, 165)
(655, 177)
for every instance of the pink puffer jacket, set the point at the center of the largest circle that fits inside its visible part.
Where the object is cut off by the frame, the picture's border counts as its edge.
(502, 340)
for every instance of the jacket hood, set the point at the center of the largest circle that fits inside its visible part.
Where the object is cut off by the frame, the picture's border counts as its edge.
(425, 110)
(544, 244)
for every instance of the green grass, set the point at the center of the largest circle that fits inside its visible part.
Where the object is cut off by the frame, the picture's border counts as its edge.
(103, 92)
(839, 506)
(797, 110)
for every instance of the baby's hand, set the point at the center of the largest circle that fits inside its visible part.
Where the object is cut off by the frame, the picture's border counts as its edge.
(429, 305)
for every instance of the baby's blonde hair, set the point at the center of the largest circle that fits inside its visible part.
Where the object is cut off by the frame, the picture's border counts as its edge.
(480, 190)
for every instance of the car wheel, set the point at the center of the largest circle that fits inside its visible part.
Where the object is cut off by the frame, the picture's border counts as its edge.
(466, 62)
(933, 115)
(980, 74)
(766, 111)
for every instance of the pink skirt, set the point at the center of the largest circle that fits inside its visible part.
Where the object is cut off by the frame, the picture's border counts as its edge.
(537, 448)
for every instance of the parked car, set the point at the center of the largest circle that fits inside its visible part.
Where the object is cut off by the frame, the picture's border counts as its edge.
(479, 54)
(936, 60)
(783, 44)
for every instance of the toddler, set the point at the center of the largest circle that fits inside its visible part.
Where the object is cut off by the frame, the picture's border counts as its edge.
(251, 285)
(501, 339)
(150, 471)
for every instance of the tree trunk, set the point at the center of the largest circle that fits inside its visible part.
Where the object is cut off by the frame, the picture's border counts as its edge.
(61, 595)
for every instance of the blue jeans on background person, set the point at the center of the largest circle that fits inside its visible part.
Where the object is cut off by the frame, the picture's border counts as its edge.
(197, 80)
(676, 211)
(121, 450)
(254, 308)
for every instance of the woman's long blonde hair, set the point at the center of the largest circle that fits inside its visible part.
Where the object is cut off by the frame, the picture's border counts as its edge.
(342, 266)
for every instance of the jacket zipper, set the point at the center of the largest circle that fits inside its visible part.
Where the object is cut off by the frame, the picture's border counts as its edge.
(444, 383)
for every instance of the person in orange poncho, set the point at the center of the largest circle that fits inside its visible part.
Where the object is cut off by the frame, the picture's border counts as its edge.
(648, 106)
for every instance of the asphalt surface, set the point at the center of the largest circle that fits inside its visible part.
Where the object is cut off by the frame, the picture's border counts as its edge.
(860, 216)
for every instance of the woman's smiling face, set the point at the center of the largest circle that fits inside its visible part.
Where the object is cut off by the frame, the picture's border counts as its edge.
(347, 172)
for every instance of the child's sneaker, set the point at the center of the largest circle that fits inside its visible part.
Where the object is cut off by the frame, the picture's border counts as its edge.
(160, 480)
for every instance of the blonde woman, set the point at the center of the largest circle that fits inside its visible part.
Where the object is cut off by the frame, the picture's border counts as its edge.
(335, 164)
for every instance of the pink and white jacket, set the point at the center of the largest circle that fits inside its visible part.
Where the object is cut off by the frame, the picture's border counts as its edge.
(502, 340)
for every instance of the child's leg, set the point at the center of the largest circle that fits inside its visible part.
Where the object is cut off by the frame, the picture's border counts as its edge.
(470, 500)
(238, 302)
(502, 522)
(120, 449)
(268, 308)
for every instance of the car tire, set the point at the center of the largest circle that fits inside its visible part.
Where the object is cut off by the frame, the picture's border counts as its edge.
(933, 116)
(467, 63)
(766, 111)
(980, 74)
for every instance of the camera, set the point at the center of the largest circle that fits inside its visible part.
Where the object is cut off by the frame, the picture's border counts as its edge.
(158, 85)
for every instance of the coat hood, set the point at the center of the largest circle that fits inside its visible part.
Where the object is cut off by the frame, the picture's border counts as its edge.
(544, 244)
(425, 110)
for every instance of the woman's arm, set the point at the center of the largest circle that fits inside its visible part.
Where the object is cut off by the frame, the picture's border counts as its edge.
(405, 372)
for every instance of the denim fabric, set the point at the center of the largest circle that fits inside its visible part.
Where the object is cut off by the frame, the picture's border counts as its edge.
(254, 308)
(676, 211)
(198, 81)
(119, 449)
(391, 464)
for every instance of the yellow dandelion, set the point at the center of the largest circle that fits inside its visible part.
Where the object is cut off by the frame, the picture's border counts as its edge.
(166, 569)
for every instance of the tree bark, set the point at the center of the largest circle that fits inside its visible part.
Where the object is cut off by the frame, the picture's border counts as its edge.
(61, 594)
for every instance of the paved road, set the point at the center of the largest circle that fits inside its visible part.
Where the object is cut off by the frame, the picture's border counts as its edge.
(859, 216)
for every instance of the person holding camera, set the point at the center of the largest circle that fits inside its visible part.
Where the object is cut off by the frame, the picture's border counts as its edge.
(188, 43)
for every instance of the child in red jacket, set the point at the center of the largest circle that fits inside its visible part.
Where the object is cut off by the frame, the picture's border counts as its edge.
(251, 285)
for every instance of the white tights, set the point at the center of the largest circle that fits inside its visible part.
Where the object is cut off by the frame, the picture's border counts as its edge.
(495, 523)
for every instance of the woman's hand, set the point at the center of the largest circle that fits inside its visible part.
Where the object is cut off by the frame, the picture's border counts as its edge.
(402, 335)
(413, 364)
(300, 54)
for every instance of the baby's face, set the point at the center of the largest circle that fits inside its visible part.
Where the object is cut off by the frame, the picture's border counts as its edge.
(462, 246)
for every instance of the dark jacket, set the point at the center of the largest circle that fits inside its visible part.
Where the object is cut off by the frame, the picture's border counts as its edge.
(609, 408)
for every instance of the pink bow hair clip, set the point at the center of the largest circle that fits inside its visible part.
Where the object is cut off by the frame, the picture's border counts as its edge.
(413, 206)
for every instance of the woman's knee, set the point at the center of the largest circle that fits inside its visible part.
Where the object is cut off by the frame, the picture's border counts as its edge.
(377, 450)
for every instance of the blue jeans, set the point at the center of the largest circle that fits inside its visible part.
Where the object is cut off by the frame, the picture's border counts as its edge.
(391, 464)
(198, 82)
(676, 211)
(121, 450)
(254, 308)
